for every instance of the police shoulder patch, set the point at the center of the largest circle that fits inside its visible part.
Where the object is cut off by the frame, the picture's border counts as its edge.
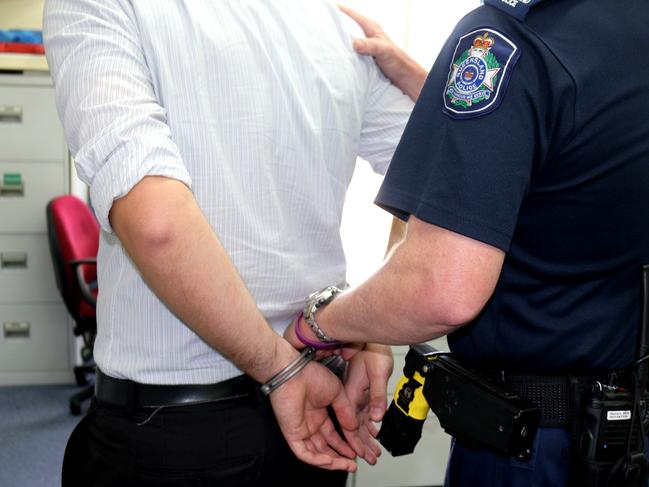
(482, 64)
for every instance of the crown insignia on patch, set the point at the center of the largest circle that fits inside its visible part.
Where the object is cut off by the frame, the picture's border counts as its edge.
(483, 41)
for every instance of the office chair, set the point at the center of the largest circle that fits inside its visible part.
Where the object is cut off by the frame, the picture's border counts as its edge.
(73, 234)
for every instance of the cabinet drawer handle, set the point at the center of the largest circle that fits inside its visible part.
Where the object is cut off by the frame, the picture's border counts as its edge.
(11, 114)
(13, 260)
(12, 190)
(12, 184)
(16, 329)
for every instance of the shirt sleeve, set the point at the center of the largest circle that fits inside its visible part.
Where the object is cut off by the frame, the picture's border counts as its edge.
(386, 114)
(115, 126)
(471, 174)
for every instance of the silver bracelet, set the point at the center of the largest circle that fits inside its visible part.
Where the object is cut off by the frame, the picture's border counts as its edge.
(288, 372)
(314, 302)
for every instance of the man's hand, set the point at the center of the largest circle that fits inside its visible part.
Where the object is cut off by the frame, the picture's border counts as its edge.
(366, 386)
(396, 64)
(300, 406)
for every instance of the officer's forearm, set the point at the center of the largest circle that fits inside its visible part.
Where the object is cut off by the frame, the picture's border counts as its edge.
(183, 262)
(434, 282)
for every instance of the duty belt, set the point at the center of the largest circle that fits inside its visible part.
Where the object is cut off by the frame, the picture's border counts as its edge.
(558, 397)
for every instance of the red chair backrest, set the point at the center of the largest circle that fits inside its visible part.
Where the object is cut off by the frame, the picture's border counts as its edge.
(73, 234)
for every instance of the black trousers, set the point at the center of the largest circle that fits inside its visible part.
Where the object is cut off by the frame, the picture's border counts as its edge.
(229, 443)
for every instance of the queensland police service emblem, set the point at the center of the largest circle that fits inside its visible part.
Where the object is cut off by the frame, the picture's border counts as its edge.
(482, 65)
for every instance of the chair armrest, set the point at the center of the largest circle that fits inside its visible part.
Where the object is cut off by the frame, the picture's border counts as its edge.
(88, 261)
(84, 287)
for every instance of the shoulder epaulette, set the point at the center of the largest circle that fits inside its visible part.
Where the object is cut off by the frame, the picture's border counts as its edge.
(515, 8)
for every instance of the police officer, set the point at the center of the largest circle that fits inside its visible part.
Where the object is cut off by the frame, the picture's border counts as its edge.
(524, 177)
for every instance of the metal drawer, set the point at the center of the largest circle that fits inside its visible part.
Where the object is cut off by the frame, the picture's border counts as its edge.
(30, 129)
(34, 337)
(25, 190)
(26, 270)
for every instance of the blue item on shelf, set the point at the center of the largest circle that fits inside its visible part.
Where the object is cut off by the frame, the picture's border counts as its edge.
(22, 36)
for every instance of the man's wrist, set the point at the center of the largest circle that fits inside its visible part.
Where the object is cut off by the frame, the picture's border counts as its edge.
(288, 372)
(275, 357)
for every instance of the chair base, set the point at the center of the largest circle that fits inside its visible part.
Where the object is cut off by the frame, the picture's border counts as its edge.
(76, 400)
(83, 377)
(81, 373)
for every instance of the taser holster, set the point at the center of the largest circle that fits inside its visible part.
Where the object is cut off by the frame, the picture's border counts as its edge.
(607, 416)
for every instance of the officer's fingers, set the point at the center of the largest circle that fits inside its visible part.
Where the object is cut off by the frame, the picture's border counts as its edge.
(373, 430)
(350, 350)
(370, 28)
(372, 454)
(372, 448)
(373, 47)
(357, 383)
(378, 395)
(379, 364)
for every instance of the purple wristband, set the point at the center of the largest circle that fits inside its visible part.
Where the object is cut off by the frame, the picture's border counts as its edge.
(311, 343)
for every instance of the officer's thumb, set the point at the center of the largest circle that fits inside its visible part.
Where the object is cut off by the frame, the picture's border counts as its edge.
(378, 400)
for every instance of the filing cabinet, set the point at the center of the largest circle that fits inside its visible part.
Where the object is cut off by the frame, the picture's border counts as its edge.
(35, 330)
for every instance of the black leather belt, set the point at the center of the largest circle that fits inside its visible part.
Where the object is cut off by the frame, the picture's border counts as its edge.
(129, 394)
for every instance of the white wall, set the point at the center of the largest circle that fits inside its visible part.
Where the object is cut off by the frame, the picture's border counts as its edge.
(21, 14)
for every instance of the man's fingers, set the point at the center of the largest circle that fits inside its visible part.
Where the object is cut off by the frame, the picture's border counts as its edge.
(304, 453)
(353, 438)
(345, 411)
(328, 459)
(335, 441)
(342, 464)
(321, 446)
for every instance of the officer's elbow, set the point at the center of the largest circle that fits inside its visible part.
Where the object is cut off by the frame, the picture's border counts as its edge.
(448, 310)
(451, 300)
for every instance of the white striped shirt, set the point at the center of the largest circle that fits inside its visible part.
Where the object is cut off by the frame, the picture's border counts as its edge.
(259, 106)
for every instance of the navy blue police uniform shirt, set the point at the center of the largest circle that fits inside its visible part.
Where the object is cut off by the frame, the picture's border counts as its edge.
(531, 134)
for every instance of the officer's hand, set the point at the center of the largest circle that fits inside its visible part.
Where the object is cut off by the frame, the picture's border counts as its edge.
(366, 386)
(300, 406)
(396, 64)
